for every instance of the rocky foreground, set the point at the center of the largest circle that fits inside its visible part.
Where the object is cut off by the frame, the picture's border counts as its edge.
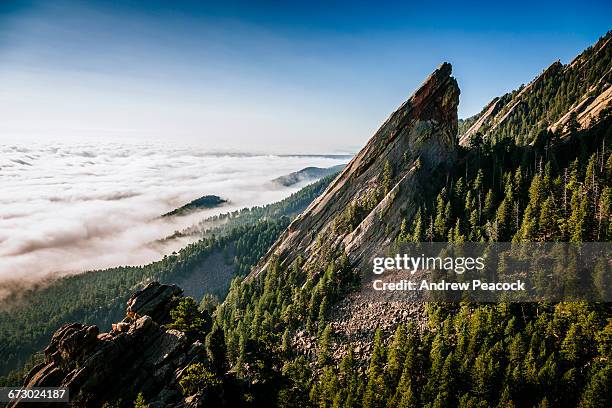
(139, 354)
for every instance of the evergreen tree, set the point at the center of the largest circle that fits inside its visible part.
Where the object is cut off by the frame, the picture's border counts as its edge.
(216, 350)
(187, 317)
(572, 125)
(325, 344)
(417, 227)
(397, 355)
(140, 401)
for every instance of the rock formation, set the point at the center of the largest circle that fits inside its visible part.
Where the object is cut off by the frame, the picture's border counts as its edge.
(551, 83)
(406, 161)
(414, 147)
(139, 354)
(587, 111)
(408, 157)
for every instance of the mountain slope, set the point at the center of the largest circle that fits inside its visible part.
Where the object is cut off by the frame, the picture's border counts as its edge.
(300, 300)
(306, 174)
(583, 86)
(404, 160)
(97, 297)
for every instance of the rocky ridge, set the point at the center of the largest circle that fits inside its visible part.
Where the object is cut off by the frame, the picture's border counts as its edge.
(417, 144)
(596, 98)
(406, 161)
(139, 354)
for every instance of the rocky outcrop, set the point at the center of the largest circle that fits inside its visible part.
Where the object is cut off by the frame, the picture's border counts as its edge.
(414, 147)
(588, 111)
(154, 300)
(354, 321)
(549, 88)
(406, 161)
(489, 112)
(139, 354)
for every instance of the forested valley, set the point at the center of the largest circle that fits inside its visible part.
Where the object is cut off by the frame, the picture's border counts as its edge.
(98, 297)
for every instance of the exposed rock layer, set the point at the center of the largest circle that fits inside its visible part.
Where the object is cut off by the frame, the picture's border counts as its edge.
(596, 98)
(417, 142)
(138, 355)
(417, 145)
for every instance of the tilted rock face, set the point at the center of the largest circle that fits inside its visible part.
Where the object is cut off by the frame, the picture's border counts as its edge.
(588, 111)
(596, 100)
(418, 142)
(138, 355)
(486, 117)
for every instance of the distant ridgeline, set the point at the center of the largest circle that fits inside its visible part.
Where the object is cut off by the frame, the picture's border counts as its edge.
(307, 174)
(202, 203)
(562, 99)
(98, 297)
(289, 207)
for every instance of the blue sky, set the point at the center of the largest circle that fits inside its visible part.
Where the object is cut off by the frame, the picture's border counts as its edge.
(269, 76)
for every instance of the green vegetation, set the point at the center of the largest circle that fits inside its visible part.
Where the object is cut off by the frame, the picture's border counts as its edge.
(140, 402)
(550, 96)
(505, 355)
(504, 192)
(288, 207)
(469, 355)
(520, 183)
(209, 201)
(198, 378)
(187, 318)
(99, 297)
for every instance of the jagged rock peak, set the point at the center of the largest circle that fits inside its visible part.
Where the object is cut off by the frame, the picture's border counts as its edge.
(138, 354)
(154, 300)
(416, 143)
(437, 98)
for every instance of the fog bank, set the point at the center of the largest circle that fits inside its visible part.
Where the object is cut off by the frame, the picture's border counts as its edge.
(69, 208)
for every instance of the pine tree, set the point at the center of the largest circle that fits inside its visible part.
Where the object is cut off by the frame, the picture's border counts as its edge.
(140, 401)
(404, 234)
(598, 390)
(442, 218)
(216, 349)
(323, 309)
(325, 344)
(457, 236)
(581, 218)
(417, 227)
(407, 399)
(397, 355)
(286, 341)
(572, 126)
(489, 204)
(186, 317)
(547, 220)
(504, 220)
(604, 230)
(375, 390)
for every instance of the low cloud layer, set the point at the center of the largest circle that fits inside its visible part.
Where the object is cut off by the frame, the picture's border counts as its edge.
(69, 208)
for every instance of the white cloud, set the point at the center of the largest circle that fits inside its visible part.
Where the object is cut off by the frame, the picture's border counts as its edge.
(70, 208)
